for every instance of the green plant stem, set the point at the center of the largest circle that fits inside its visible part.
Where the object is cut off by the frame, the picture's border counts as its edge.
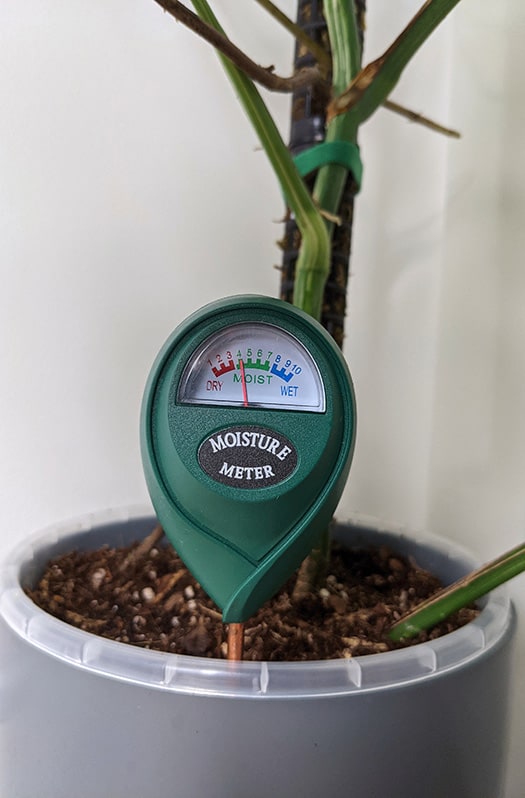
(324, 62)
(315, 253)
(342, 27)
(374, 83)
(328, 189)
(460, 594)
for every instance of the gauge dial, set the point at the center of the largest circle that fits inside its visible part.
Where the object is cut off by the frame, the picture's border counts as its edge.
(253, 365)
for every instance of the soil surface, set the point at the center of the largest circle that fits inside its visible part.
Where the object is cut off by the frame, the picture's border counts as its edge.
(143, 595)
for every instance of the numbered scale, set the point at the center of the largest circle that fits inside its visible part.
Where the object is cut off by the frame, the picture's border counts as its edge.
(247, 433)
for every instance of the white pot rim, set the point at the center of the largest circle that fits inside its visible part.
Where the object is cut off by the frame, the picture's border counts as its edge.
(177, 673)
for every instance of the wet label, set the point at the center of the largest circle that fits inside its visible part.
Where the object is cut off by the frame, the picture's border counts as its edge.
(247, 457)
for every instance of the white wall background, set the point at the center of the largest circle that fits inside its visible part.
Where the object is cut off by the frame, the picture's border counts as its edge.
(132, 191)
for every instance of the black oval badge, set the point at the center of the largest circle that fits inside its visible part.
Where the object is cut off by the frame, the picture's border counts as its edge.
(247, 457)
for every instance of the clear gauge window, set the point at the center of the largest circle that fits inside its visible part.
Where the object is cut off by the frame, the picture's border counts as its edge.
(253, 365)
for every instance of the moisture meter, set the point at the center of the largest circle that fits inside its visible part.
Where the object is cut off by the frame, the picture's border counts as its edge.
(247, 433)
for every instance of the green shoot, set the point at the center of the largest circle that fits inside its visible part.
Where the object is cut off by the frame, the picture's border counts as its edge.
(315, 251)
(462, 593)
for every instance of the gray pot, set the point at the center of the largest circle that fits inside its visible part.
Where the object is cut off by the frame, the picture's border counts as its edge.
(81, 716)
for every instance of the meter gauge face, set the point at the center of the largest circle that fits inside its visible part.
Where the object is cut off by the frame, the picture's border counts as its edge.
(256, 365)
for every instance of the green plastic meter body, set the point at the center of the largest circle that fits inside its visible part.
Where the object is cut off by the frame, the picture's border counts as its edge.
(247, 433)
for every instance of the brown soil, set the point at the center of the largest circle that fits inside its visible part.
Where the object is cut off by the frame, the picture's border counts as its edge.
(143, 595)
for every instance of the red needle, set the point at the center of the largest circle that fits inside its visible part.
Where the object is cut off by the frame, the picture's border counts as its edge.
(243, 383)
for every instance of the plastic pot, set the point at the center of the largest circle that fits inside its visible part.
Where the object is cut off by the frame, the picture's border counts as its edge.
(81, 716)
